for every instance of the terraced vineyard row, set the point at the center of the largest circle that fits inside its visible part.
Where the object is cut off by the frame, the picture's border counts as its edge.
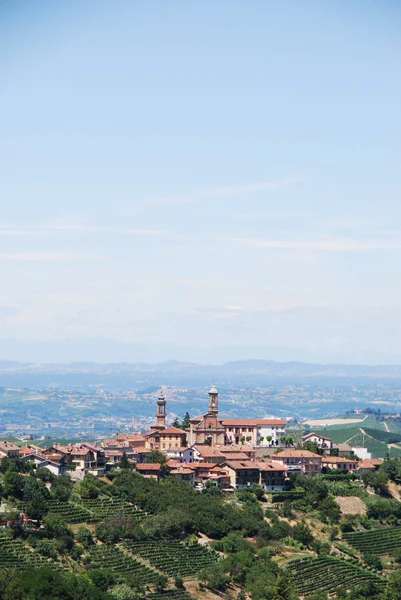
(170, 595)
(376, 541)
(114, 559)
(327, 575)
(91, 511)
(14, 554)
(104, 508)
(174, 557)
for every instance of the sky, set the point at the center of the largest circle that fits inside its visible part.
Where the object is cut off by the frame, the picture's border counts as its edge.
(200, 180)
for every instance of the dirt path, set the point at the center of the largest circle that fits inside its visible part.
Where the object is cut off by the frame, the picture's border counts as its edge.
(386, 427)
(394, 490)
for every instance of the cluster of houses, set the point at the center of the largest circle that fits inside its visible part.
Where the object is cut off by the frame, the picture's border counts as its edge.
(229, 453)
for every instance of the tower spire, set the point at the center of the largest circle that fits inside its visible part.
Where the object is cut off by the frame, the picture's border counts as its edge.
(161, 411)
(213, 400)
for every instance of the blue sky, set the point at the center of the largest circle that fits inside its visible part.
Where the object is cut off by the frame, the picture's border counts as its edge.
(200, 180)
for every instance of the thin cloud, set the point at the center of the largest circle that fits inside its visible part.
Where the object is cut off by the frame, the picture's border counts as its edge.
(47, 256)
(334, 245)
(51, 230)
(222, 192)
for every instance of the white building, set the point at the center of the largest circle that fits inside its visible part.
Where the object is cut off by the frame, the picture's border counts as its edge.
(253, 432)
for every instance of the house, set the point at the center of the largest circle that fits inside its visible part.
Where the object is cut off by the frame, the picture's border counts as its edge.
(299, 460)
(165, 440)
(57, 467)
(149, 470)
(207, 454)
(341, 449)
(369, 464)
(254, 432)
(243, 474)
(8, 450)
(320, 440)
(83, 456)
(184, 473)
(233, 449)
(272, 477)
(128, 439)
(339, 462)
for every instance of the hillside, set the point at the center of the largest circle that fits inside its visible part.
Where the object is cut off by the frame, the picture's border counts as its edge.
(128, 537)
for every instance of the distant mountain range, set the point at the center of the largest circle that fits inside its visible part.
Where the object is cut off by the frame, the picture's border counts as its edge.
(246, 372)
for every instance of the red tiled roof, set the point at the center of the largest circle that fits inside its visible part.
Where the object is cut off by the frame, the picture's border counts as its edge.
(337, 459)
(208, 450)
(148, 466)
(370, 463)
(296, 454)
(237, 456)
(186, 470)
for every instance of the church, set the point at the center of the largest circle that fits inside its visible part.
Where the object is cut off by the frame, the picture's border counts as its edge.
(208, 428)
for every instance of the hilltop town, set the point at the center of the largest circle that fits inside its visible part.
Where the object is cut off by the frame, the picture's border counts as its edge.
(203, 507)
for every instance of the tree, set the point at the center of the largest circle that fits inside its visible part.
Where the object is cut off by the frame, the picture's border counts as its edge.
(214, 577)
(44, 474)
(302, 533)
(176, 423)
(56, 526)
(36, 508)
(84, 536)
(61, 488)
(155, 457)
(14, 484)
(262, 439)
(122, 591)
(124, 464)
(161, 582)
(185, 424)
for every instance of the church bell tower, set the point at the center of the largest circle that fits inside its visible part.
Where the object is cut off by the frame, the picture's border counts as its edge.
(161, 411)
(213, 400)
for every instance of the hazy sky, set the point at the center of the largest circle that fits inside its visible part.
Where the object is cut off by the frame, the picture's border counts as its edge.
(201, 174)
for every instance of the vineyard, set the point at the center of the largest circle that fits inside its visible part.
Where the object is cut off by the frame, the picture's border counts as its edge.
(120, 562)
(327, 575)
(383, 436)
(377, 541)
(91, 511)
(173, 557)
(14, 554)
(170, 595)
(104, 508)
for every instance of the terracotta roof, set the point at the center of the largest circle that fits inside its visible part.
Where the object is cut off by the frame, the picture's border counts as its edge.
(269, 466)
(252, 422)
(235, 448)
(186, 470)
(337, 459)
(8, 446)
(171, 429)
(203, 465)
(244, 464)
(237, 456)
(296, 454)
(370, 463)
(207, 450)
(148, 466)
